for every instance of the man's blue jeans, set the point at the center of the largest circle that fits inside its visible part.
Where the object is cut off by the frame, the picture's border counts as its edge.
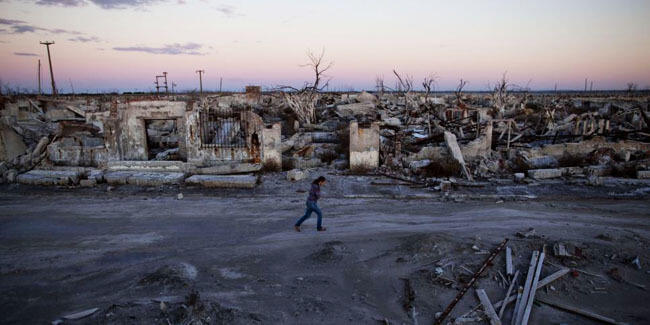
(311, 207)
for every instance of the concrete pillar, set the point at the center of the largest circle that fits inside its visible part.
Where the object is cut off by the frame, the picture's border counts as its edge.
(364, 147)
(271, 142)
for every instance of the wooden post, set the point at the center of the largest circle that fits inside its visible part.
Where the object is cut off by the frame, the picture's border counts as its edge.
(508, 147)
(531, 295)
(512, 285)
(532, 266)
(509, 267)
(487, 307)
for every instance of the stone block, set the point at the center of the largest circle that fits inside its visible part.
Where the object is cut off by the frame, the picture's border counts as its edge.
(643, 174)
(223, 181)
(545, 173)
(144, 178)
(49, 177)
(229, 168)
(296, 175)
(87, 182)
(364, 147)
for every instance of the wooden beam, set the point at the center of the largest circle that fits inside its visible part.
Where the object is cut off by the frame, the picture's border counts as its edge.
(509, 268)
(515, 311)
(545, 281)
(531, 296)
(512, 285)
(578, 311)
(487, 307)
(542, 283)
(532, 266)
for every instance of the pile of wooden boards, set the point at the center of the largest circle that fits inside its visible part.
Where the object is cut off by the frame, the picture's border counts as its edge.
(525, 295)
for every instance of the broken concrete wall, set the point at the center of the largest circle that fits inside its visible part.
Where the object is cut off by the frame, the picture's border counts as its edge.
(62, 154)
(479, 147)
(209, 156)
(11, 143)
(271, 143)
(364, 147)
(584, 148)
(126, 137)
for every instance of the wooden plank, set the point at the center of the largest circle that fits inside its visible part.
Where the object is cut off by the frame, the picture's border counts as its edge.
(513, 320)
(545, 281)
(531, 297)
(487, 307)
(578, 311)
(509, 268)
(542, 283)
(512, 285)
(527, 287)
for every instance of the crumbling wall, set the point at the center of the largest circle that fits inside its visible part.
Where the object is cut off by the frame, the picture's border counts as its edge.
(204, 156)
(11, 143)
(364, 147)
(584, 148)
(130, 134)
(271, 143)
(479, 147)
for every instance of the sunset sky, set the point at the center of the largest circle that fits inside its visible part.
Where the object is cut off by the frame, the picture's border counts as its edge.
(104, 45)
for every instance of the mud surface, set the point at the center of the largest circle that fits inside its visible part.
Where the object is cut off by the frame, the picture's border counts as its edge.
(144, 257)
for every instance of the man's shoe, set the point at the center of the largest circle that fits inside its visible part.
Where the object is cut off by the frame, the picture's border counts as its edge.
(297, 228)
(321, 229)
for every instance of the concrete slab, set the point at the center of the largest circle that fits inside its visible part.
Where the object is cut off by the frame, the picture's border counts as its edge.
(223, 181)
(143, 178)
(229, 168)
(148, 165)
(545, 173)
(49, 177)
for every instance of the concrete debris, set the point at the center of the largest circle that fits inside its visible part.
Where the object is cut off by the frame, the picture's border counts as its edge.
(81, 314)
(143, 178)
(545, 173)
(415, 135)
(297, 175)
(49, 177)
(223, 181)
(452, 145)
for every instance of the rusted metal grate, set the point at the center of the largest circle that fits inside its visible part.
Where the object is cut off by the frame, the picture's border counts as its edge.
(223, 128)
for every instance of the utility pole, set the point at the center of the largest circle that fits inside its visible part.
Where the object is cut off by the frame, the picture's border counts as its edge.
(39, 78)
(200, 72)
(220, 83)
(49, 58)
(166, 88)
(591, 86)
(157, 83)
(585, 84)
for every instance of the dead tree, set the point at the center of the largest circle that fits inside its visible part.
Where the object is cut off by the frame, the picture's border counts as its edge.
(632, 87)
(404, 85)
(379, 85)
(303, 101)
(500, 94)
(428, 84)
(459, 93)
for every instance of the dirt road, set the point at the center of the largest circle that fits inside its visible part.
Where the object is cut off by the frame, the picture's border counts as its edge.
(238, 260)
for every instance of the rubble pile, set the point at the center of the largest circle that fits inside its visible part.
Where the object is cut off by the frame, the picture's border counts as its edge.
(419, 137)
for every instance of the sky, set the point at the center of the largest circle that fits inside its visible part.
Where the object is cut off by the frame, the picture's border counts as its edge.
(108, 45)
